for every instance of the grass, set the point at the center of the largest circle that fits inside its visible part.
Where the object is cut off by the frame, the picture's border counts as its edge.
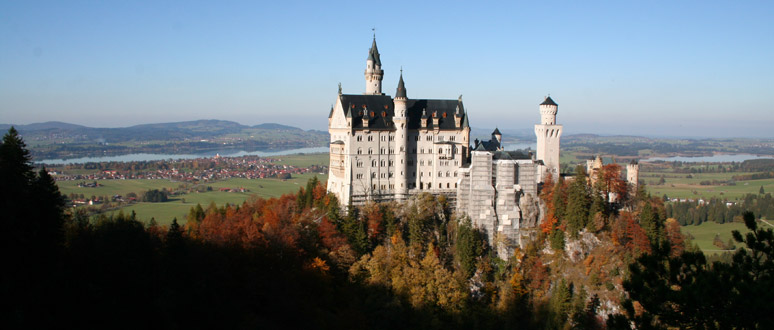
(304, 160)
(704, 234)
(178, 206)
(678, 186)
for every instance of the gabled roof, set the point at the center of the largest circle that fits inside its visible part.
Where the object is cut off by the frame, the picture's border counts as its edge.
(549, 101)
(381, 108)
(496, 132)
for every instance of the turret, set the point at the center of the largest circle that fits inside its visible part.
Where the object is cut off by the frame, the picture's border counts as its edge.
(401, 138)
(633, 174)
(548, 111)
(497, 135)
(548, 134)
(374, 72)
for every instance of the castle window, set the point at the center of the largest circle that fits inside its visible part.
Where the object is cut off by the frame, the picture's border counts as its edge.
(447, 174)
(429, 138)
(382, 151)
(360, 138)
(440, 175)
(455, 174)
(421, 151)
(390, 175)
(382, 187)
(421, 163)
(383, 138)
(373, 175)
(447, 184)
(359, 163)
(373, 163)
(392, 137)
(440, 151)
(382, 163)
(359, 151)
(439, 186)
(392, 151)
(444, 115)
(370, 151)
(372, 114)
(359, 176)
(392, 163)
(401, 149)
(384, 113)
(455, 185)
(383, 176)
(370, 138)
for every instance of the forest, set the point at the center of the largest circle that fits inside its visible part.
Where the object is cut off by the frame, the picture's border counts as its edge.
(298, 261)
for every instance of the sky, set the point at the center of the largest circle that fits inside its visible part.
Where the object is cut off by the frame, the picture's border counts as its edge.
(652, 68)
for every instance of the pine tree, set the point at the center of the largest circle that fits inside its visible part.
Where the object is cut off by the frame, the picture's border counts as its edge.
(578, 201)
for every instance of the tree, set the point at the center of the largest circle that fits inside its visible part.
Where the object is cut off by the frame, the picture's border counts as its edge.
(761, 191)
(687, 292)
(578, 200)
(469, 246)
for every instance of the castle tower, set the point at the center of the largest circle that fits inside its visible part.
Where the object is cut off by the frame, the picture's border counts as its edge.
(498, 136)
(401, 137)
(548, 134)
(633, 174)
(374, 72)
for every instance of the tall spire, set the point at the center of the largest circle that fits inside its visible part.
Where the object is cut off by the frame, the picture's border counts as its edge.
(373, 54)
(401, 92)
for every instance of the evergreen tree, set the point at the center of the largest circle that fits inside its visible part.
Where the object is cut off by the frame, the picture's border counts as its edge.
(650, 222)
(578, 201)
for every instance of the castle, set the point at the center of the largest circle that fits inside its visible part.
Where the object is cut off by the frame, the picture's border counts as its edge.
(385, 148)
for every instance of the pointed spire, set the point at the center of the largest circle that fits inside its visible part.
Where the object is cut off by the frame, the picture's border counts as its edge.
(548, 101)
(401, 92)
(496, 132)
(373, 54)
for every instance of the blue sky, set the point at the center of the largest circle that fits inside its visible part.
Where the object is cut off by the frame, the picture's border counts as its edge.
(671, 68)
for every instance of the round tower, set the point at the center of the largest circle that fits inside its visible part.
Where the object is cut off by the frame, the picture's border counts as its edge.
(374, 72)
(548, 134)
(633, 173)
(548, 111)
(401, 137)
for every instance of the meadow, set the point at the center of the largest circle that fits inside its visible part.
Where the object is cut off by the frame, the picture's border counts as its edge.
(178, 206)
(678, 185)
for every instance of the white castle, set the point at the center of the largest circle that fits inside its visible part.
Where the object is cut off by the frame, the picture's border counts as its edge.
(385, 148)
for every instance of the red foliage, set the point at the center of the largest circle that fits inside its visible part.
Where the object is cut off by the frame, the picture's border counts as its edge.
(537, 274)
(331, 238)
(373, 215)
(675, 237)
(610, 176)
(628, 234)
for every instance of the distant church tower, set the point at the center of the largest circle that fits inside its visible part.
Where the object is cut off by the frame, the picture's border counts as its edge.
(374, 72)
(548, 134)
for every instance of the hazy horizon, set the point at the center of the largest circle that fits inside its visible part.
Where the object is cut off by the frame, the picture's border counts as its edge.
(685, 69)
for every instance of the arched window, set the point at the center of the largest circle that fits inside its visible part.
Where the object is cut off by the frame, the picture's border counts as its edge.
(359, 151)
(373, 163)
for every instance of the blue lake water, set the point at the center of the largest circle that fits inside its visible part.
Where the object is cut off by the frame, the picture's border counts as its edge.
(720, 158)
(151, 157)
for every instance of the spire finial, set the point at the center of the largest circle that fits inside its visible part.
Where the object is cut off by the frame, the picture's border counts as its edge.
(373, 29)
(339, 88)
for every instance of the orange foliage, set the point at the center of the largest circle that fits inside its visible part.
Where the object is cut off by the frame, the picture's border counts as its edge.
(375, 221)
(610, 176)
(549, 224)
(330, 236)
(628, 234)
(675, 237)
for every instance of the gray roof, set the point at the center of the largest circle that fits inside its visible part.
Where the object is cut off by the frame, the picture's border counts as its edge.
(496, 132)
(379, 110)
(516, 154)
(373, 54)
(401, 92)
(549, 101)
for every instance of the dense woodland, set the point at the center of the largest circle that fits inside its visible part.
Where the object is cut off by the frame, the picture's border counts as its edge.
(298, 261)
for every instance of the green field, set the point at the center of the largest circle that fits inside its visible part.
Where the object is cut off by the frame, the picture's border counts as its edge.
(704, 234)
(178, 206)
(678, 186)
(304, 160)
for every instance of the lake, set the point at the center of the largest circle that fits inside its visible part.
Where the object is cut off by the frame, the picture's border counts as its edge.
(719, 158)
(151, 157)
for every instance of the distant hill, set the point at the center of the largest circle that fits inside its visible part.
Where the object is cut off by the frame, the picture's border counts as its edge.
(64, 140)
(275, 126)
